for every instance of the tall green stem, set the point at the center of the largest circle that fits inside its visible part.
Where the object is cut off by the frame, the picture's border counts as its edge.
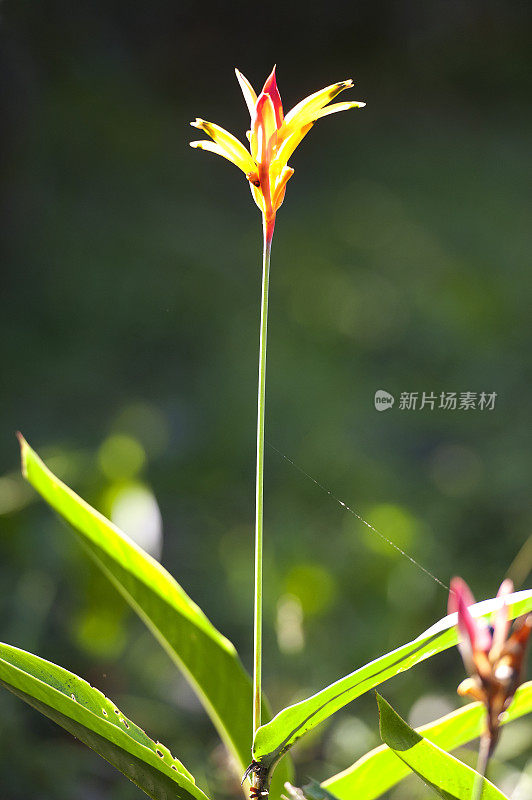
(259, 491)
(484, 753)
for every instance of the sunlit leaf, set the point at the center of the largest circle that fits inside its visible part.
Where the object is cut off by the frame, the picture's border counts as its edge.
(208, 660)
(379, 770)
(86, 713)
(448, 777)
(274, 738)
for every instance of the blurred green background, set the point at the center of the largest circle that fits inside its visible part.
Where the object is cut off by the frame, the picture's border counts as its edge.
(129, 315)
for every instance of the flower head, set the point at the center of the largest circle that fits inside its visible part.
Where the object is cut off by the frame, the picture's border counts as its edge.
(493, 655)
(273, 137)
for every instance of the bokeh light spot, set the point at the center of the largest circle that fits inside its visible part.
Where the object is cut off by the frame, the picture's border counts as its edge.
(394, 522)
(14, 494)
(350, 739)
(289, 624)
(121, 457)
(313, 586)
(136, 512)
(428, 708)
(99, 633)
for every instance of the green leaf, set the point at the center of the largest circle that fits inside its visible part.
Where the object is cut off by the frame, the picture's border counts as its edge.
(208, 660)
(379, 770)
(91, 717)
(274, 738)
(448, 777)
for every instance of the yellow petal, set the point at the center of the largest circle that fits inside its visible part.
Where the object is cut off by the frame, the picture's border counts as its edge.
(280, 186)
(239, 154)
(333, 109)
(258, 197)
(315, 101)
(283, 178)
(289, 145)
(220, 150)
(248, 91)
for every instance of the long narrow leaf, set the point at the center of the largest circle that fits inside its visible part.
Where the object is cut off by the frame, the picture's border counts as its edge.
(86, 713)
(208, 660)
(274, 738)
(448, 777)
(379, 770)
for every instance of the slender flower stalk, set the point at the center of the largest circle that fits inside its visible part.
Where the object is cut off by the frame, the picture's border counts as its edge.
(259, 488)
(272, 137)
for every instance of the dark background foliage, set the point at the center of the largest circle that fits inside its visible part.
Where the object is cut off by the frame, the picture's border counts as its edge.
(129, 313)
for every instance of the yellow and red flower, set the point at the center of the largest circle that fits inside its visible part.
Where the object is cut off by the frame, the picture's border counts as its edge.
(273, 137)
(493, 654)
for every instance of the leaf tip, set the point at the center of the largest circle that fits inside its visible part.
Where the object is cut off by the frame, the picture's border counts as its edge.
(24, 448)
(381, 705)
